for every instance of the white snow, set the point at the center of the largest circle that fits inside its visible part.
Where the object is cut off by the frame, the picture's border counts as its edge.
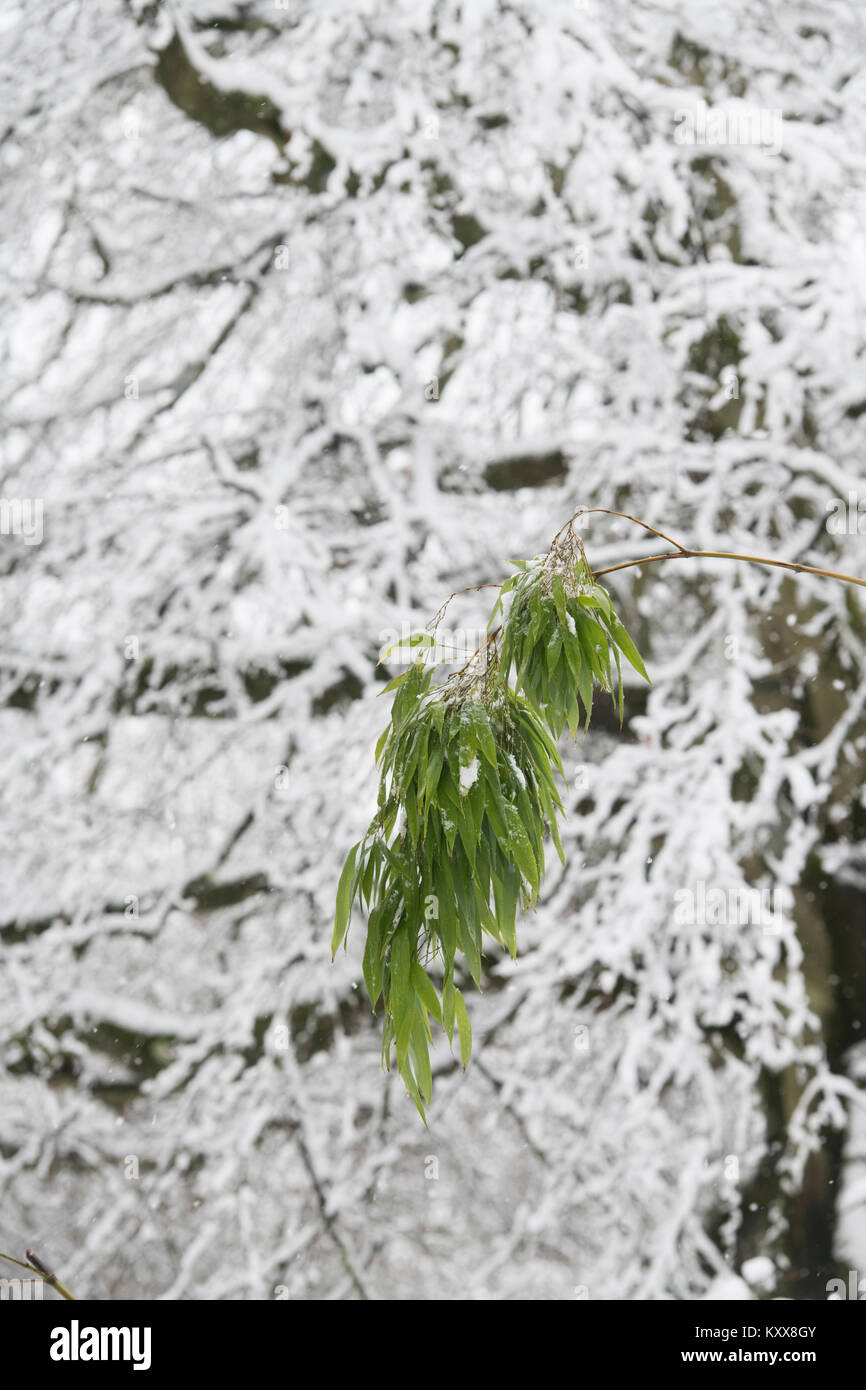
(468, 775)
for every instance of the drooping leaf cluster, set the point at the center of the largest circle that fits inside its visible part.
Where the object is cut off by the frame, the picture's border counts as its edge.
(561, 638)
(466, 796)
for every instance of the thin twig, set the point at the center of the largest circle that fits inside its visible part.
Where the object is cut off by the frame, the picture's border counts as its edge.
(37, 1267)
(606, 511)
(682, 554)
(470, 589)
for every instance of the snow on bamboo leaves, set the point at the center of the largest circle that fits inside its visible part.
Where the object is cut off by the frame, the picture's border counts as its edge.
(559, 637)
(466, 796)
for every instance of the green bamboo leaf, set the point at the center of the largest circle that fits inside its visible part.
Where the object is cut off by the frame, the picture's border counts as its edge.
(559, 598)
(553, 653)
(495, 806)
(591, 640)
(417, 639)
(437, 713)
(402, 998)
(412, 1087)
(392, 684)
(449, 830)
(505, 891)
(410, 804)
(448, 1004)
(585, 679)
(627, 647)
(602, 598)
(447, 921)
(468, 925)
(408, 765)
(415, 684)
(381, 741)
(595, 597)
(423, 987)
(372, 956)
(435, 760)
(486, 915)
(572, 712)
(585, 690)
(473, 806)
(464, 1027)
(371, 872)
(571, 646)
(466, 938)
(387, 1039)
(554, 835)
(484, 738)
(532, 819)
(537, 617)
(521, 850)
(344, 900)
(466, 737)
(467, 836)
(532, 725)
(419, 1055)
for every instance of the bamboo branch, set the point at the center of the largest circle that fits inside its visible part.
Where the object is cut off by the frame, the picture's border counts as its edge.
(682, 552)
(37, 1267)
